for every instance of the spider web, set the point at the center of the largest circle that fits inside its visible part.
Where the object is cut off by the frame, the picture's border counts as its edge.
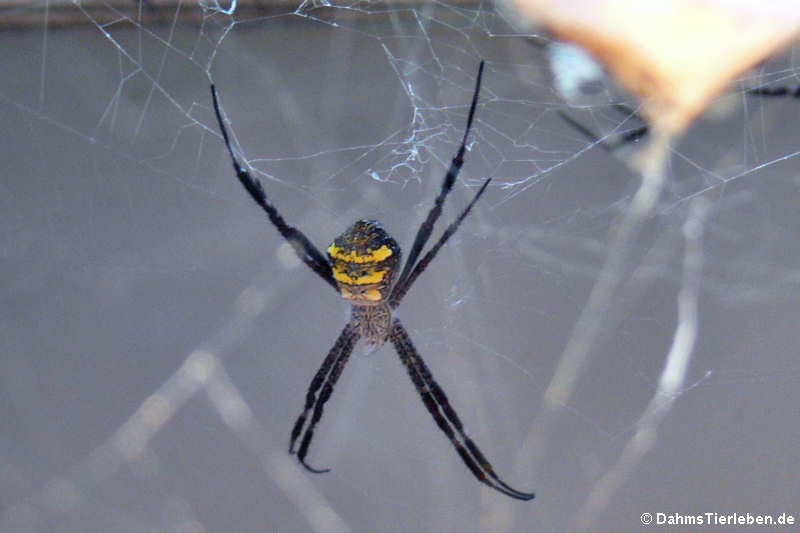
(155, 334)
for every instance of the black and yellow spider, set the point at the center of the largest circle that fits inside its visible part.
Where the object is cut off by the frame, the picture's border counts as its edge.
(361, 265)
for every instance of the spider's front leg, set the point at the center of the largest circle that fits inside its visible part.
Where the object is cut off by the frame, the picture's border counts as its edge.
(326, 377)
(444, 415)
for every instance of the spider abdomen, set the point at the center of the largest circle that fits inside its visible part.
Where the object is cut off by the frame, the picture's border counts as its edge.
(364, 260)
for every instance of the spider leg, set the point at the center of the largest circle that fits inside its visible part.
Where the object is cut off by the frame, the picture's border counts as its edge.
(326, 377)
(319, 379)
(615, 141)
(303, 247)
(778, 92)
(402, 288)
(444, 415)
(424, 232)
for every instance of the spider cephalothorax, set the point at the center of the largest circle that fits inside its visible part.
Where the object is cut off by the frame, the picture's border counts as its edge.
(374, 322)
(361, 265)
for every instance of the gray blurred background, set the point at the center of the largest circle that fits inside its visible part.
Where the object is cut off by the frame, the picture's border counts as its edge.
(157, 336)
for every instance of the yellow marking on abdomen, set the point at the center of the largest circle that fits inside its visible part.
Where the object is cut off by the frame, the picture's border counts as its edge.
(373, 276)
(372, 295)
(371, 256)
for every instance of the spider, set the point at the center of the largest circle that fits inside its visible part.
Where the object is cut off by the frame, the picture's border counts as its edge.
(631, 136)
(362, 264)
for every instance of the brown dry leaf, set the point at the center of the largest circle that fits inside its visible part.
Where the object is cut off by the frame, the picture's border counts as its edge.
(676, 55)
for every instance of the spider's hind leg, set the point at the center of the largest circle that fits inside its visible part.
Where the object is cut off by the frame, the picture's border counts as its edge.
(305, 250)
(425, 230)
